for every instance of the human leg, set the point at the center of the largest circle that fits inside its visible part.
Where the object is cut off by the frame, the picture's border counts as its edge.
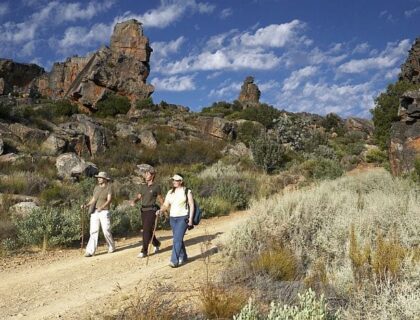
(105, 218)
(179, 227)
(94, 233)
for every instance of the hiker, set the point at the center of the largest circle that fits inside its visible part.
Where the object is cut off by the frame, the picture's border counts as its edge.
(99, 208)
(148, 194)
(181, 203)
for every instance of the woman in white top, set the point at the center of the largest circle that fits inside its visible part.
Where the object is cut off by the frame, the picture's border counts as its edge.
(181, 211)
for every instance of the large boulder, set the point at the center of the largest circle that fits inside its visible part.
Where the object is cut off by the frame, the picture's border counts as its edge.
(22, 209)
(54, 145)
(358, 124)
(217, 127)
(69, 165)
(148, 139)
(26, 134)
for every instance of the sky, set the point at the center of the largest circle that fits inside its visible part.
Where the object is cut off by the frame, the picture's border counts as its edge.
(317, 56)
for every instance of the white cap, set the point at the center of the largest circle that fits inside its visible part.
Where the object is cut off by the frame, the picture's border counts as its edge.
(177, 177)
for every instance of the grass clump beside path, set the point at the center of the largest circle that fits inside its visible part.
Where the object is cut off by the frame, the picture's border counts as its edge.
(363, 230)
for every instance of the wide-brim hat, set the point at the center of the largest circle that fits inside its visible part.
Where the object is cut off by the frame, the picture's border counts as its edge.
(144, 167)
(103, 175)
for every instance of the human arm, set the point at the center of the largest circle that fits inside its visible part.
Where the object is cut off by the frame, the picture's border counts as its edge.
(191, 208)
(91, 202)
(135, 200)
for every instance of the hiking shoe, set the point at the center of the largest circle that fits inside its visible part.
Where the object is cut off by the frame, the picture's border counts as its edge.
(88, 255)
(156, 249)
(173, 265)
(182, 261)
(141, 255)
(111, 250)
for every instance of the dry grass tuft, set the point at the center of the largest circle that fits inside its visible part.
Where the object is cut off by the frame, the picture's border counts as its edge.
(279, 263)
(221, 302)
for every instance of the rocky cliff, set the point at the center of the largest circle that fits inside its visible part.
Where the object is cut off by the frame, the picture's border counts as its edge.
(410, 70)
(121, 68)
(17, 75)
(405, 134)
(404, 146)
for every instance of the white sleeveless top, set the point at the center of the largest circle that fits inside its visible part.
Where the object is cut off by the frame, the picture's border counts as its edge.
(177, 200)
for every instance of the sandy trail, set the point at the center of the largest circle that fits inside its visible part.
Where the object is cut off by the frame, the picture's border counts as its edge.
(66, 285)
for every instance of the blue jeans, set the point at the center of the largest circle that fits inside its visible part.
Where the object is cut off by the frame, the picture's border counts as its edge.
(179, 227)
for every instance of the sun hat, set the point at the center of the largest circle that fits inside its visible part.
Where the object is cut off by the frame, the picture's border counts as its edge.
(103, 175)
(177, 177)
(143, 168)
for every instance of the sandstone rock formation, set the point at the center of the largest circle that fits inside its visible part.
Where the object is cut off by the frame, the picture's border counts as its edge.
(358, 124)
(217, 127)
(250, 94)
(17, 75)
(410, 70)
(405, 134)
(121, 68)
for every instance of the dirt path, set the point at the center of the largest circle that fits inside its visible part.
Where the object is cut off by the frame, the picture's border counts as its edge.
(66, 285)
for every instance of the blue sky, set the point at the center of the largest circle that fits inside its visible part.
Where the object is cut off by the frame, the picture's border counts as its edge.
(317, 56)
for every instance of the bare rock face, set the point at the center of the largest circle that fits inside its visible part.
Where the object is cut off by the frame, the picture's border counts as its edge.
(250, 94)
(69, 165)
(358, 124)
(121, 69)
(410, 70)
(404, 148)
(28, 134)
(217, 127)
(14, 74)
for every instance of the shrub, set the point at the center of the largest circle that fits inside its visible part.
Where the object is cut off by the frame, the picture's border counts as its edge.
(248, 131)
(321, 168)
(112, 105)
(309, 308)
(23, 182)
(4, 111)
(268, 153)
(333, 123)
(263, 113)
(278, 262)
(189, 152)
(221, 108)
(215, 206)
(146, 104)
(376, 156)
(49, 226)
(220, 302)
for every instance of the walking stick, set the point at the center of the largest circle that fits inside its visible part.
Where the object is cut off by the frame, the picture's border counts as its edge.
(153, 236)
(82, 224)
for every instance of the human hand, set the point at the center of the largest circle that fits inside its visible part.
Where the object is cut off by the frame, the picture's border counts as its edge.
(158, 212)
(82, 206)
(132, 203)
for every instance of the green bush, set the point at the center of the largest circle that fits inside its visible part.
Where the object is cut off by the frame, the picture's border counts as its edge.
(112, 105)
(386, 110)
(268, 153)
(126, 221)
(49, 226)
(248, 131)
(146, 104)
(4, 112)
(376, 156)
(215, 206)
(309, 308)
(263, 113)
(190, 152)
(234, 191)
(321, 168)
(221, 108)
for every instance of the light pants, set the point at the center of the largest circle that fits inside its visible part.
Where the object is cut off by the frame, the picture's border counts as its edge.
(100, 218)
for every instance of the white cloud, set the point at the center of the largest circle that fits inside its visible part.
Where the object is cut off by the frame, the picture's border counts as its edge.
(412, 12)
(174, 83)
(267, 86)
(227, 12)
(391, 56)
(297, 76)
(163, 49)
(275, 35)
(361, 48)
(75, 11)
(167, 13)
(28, 49)
(4, 9)
(80, 37)
(226, 90)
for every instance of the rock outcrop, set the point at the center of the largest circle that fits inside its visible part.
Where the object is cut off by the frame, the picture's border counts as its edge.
(69, 166)
(410, 70)
(121, 68)
(17, 75)
(405, 134)
(250, 94)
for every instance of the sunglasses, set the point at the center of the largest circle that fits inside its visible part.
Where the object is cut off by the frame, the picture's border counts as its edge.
(177, 180)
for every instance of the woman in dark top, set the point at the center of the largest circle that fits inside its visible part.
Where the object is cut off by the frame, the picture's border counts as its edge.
(148, 194)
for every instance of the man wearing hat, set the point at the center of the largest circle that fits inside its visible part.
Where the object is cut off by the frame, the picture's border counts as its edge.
(99, 206)
(148, 194)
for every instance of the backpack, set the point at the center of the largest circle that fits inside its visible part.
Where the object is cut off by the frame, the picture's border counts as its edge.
(197, 211)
